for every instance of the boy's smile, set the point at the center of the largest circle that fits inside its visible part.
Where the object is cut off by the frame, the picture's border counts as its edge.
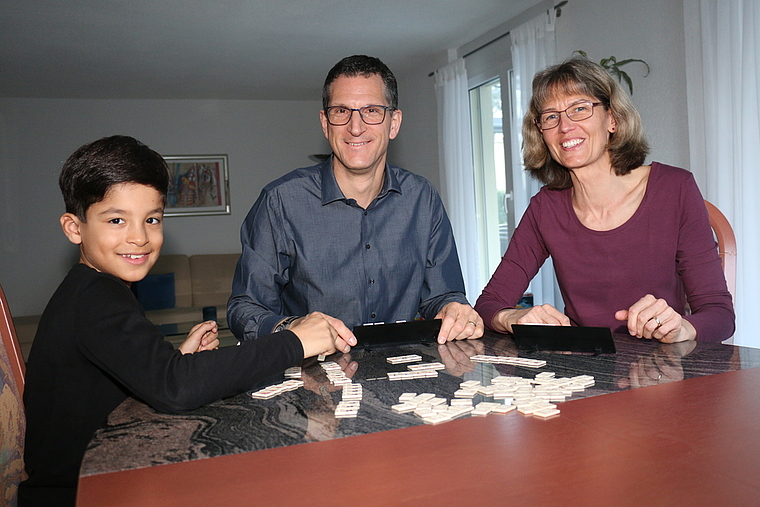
(123, 233)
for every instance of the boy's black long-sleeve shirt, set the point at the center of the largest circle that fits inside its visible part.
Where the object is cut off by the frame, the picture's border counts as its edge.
(94, 347)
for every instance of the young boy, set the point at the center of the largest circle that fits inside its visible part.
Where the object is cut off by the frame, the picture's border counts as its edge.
(94, 347)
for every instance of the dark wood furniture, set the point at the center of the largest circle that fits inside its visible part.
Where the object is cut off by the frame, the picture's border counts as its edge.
(689, 442)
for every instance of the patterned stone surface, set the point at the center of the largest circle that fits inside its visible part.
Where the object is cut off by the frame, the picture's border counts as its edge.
(136, 436)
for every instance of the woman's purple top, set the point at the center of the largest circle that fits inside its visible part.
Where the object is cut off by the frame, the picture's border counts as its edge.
(666, 249)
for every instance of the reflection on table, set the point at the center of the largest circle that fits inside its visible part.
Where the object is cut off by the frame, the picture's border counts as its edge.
(182, 328)
(136, 436)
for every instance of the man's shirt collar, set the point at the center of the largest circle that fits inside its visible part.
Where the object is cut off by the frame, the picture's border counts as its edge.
(331, 191)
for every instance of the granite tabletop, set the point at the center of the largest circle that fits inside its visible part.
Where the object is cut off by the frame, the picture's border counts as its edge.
(136, 436)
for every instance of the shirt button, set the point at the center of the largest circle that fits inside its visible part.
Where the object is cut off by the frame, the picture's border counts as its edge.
(365, 212)
(373, 315)
(367, 246)
(371, 280)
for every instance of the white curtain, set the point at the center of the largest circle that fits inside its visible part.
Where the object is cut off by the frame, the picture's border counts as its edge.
(533, 48)
(723, 88)
(456, 168)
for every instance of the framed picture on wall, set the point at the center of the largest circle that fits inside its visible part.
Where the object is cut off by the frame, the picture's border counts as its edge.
(198, 185)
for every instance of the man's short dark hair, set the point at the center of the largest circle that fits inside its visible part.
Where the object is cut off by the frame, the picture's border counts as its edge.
(364, 66)
(91, 171)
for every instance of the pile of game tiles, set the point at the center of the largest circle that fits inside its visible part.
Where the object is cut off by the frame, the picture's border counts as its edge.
(536, 397)
(351, 395)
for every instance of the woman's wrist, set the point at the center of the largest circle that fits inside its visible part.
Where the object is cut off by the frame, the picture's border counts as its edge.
(688, 332)
(503, 320)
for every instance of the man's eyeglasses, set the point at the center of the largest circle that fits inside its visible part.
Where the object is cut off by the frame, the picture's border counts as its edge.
(371, 115)
(576, 112)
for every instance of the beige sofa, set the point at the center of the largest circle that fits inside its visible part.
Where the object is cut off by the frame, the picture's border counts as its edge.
(199, 281)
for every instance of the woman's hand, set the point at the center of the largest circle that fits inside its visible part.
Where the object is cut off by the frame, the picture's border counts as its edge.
(660, 366)
(650, 317)
(541, 314)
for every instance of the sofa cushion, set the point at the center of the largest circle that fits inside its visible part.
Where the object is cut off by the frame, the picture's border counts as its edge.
(155, 291)
(180, 266)
(212, 278)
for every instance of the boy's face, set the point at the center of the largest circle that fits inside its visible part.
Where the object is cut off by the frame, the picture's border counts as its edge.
(123, 233)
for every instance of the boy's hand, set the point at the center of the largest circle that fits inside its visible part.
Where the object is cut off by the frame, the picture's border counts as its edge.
(322, 334)
(203, 336)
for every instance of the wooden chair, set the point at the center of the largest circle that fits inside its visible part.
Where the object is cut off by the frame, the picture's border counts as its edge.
(11, 344)
(12, 420)
(724, 235)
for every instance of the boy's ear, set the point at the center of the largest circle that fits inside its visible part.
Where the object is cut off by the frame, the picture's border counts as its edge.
(70, 225)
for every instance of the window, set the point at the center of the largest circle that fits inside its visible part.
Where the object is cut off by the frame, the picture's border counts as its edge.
(488, 75)
(493, 188)
(488, 66)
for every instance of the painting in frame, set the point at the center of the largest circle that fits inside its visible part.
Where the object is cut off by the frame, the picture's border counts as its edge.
(198, 185)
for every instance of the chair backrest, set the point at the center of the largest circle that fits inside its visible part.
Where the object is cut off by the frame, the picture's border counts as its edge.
(724, 235)
(12, 422)
(11, 344)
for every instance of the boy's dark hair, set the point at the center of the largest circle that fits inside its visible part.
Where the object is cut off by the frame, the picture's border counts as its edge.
(91, 171)
(365, 66)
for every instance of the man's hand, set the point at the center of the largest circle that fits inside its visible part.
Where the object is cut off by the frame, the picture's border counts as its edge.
(459, 322)
(456, 356)
(203, 336)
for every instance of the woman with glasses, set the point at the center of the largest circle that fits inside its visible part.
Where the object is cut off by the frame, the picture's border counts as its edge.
(631, 243)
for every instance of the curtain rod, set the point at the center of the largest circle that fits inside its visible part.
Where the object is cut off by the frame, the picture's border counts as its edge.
(557, 9)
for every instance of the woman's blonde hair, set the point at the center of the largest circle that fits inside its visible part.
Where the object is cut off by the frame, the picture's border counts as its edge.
(627, 146)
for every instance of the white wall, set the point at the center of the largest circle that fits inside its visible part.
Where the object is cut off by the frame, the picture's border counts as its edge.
(651, 30)
(416, 147)
(264, 139)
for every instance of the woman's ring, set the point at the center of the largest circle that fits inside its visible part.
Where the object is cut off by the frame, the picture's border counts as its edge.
(472, 322)
(657, 320)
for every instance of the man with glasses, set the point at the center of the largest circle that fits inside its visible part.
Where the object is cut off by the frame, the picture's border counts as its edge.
(353, 237)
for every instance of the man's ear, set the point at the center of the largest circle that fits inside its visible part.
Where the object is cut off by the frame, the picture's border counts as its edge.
(71, 225)
(323, 122)
(395, 123)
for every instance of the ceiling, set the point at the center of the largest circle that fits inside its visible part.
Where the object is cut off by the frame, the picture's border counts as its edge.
(224, 49)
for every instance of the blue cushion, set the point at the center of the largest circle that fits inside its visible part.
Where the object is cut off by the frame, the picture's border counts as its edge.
(155, 292)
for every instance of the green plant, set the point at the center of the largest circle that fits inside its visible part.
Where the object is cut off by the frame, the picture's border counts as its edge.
(612, 65)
